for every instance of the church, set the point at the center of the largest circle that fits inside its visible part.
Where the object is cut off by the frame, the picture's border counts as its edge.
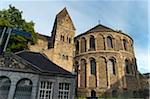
(103, 58)
(99, 63)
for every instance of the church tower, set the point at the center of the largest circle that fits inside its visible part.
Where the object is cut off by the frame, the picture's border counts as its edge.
(59, 48)
(63, 40)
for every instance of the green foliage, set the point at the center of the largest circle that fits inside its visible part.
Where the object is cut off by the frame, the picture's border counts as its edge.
(12, 17)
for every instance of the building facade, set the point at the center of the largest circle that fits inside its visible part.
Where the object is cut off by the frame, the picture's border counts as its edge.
(59, 48)
(30, 75)
(103, 58)
(106, 63)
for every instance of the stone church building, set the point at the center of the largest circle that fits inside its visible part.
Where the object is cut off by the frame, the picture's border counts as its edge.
(103, 60)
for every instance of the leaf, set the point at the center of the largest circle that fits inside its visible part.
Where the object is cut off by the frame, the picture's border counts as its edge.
(12, 17)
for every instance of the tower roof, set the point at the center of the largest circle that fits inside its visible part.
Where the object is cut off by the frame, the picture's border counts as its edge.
(61, 15)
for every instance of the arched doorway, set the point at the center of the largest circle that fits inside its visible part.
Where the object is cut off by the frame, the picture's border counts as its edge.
(93, 93)
(114, 93)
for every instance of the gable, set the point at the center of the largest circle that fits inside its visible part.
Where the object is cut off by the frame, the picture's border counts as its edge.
(42, 63)
(100, 28)
(63, 18)
(11, 62)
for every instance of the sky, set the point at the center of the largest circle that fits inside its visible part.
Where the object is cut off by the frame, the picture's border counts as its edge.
(129, 16)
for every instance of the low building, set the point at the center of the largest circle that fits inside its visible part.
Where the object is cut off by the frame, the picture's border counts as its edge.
(145, 82)
(31, 75)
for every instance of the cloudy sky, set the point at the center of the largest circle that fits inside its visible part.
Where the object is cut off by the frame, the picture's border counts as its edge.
(130, 16)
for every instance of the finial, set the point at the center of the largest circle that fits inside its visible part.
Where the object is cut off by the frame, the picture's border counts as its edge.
(99, 21)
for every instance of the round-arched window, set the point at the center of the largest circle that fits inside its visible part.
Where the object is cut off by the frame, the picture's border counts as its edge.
(92, 43)
(23, 89)
(4, 87)
(111, 66)
(83, 73)
(83, 44)
(93, 66)
(109, 42)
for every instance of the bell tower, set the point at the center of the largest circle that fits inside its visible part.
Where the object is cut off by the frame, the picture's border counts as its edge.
(63, 40)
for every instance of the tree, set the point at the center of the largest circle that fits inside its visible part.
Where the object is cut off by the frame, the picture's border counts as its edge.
(12, 17)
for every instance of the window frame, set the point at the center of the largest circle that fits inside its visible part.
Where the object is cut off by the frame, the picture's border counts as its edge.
(111, 66)
(127, 67)
(109, 42)
(6, 86)
(125, 44)
(83, 74)
(92, 43)
(63, 91)
(45, 89)
(20, 85)
(83, 45)
(93, 66)
(77, 46)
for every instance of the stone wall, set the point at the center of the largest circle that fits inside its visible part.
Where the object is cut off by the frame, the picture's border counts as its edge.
(106, 82)
(62, 42)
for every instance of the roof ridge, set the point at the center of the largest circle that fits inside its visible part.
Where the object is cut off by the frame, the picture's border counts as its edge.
(64, 9)
(21, 51)
(101, 26)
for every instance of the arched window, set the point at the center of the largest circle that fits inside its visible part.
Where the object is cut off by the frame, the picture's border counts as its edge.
(83, 73)
(83, 44)
(109, 42)
(63, 38)
(125, 44)
(76, 63)
(127, 66)
(69, 40)
(77, 47)
(93, 66)
(23, 89)
(92, 43)
(4, 87)
(111, 66)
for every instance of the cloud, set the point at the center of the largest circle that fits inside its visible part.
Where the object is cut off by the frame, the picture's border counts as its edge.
(142, 59)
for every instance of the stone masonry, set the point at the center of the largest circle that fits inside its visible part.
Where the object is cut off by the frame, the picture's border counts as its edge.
(103, 58)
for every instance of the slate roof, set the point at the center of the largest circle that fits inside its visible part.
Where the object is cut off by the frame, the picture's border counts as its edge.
(43, 63)
(44, 37)
(100, 28)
